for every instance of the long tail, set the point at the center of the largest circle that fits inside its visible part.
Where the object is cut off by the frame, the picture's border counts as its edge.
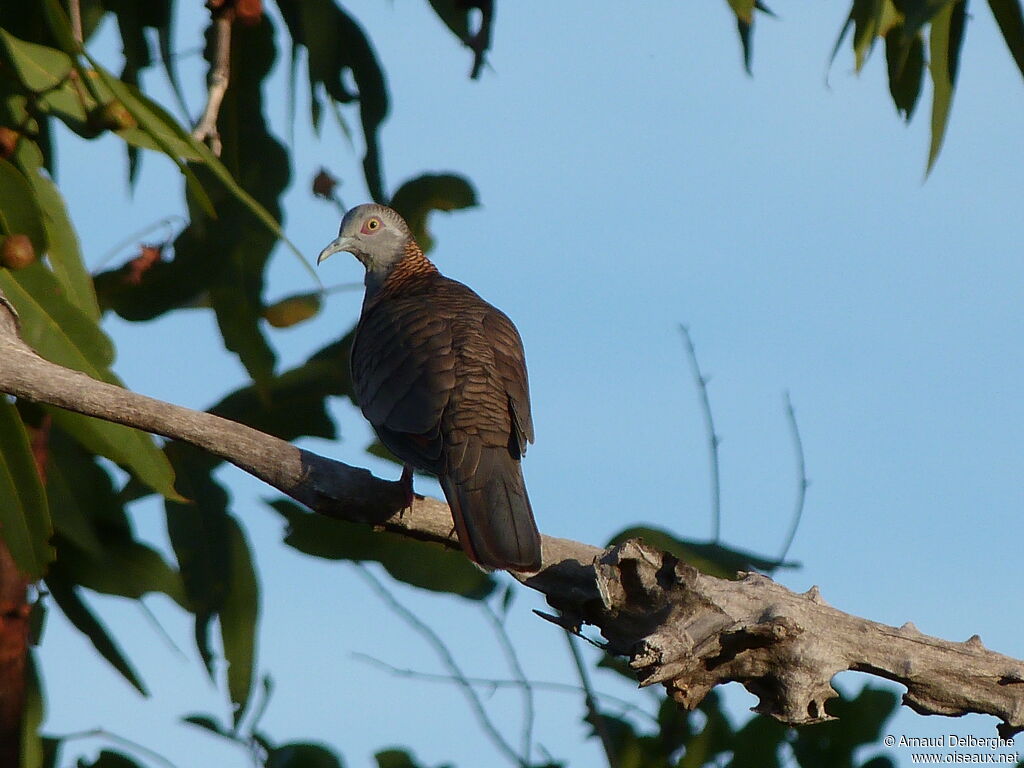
(493, 516)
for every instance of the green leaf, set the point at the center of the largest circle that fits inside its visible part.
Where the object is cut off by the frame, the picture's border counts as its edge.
(165, 33)
(204, 538)
(293, 404)
(335, 43)
(24, 518)
(708, 557)
(298, 755)
(51, 752)
(422, 564)
(70, 104)
(757, 744)
(162, 129)
(66, 595)
(395, 758)
(79, 491)
(744, 9)
(906, 66)
(207, 723)
(123, 566)
(132, 450)
(456, 16)
(859, 722)
(20, 212)
(238, 620)
(38, 67)
(109, 759)
(199, 532)
(33, 709)
(1010, 19)
(869, 19)
(917, 13)
(131, 23)
(745, 29)
(713, 739)
(416, 198)
(65, 335)
(293, 310)
(127, 568)
(54, 327)
(945, 39)
(64, 253)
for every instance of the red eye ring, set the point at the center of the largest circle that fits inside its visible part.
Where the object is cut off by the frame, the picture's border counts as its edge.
(372, 225)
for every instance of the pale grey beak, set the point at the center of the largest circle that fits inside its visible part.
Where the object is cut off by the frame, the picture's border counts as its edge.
(339, 244)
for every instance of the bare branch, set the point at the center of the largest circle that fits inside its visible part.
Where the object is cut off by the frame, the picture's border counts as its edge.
(442, 650)
(512, 657)
(216, 82)
(75, 8)
(678, 627)
(713, 439)
(593, 713)
(802, 482)
(493, 683)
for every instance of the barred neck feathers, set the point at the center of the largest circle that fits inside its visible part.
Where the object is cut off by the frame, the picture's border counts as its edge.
(402, 275)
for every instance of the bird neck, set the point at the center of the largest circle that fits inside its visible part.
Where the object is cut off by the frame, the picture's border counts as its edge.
(399, 275)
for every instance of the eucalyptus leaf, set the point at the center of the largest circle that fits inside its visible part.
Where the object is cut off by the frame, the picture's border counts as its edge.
(417, 197)
(64, 334)
(68, 599)
(38, 67)
(422, 564)
(945, 38)
(20, 212)
(63, 251)
(239, 617)
(1010, 18)
(302, 755)
(24, 517)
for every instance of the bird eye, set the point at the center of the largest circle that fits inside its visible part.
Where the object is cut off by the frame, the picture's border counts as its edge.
(373, 224)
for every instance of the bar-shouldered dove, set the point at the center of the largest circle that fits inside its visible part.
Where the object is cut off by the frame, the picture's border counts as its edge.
(441, 376)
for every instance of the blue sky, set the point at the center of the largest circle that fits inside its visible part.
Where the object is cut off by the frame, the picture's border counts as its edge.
(632, 177)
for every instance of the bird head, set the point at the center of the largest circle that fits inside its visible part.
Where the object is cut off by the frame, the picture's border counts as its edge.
(374, 234)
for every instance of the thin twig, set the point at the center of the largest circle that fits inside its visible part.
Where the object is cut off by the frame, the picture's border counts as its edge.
(159, 628)
(713, 439)
(136, 237)
(102, 733)
(217, 84)
(588, 697)
(74, 6)
(801, 490)
(517, 669)
(495, 683)
(446, 656)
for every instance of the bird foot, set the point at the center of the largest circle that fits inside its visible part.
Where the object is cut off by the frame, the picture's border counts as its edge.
(406, 481)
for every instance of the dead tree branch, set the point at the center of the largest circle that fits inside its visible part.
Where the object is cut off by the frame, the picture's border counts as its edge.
(217, 81)
(678, 627)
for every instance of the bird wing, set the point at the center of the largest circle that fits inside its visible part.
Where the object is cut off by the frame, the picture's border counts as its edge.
(403, 374)
(510, 366)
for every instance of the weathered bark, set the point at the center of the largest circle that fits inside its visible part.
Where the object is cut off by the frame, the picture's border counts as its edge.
(679, 627)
